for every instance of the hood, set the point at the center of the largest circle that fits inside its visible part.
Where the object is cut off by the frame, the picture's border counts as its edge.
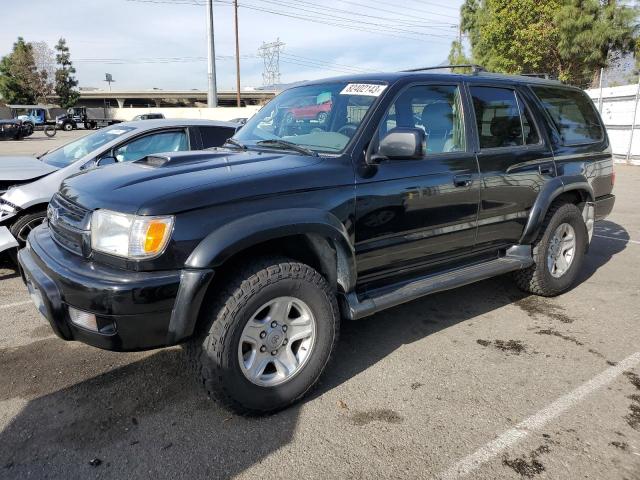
(20, 169)
(170, 183)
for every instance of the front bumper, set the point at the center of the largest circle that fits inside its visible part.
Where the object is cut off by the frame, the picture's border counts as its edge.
(142, 310)
(7, 240)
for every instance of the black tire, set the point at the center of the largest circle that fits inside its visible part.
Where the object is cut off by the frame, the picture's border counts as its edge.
(67, 127)
(213, 354)
(28, 128)
(21, 228)
(50, 130)
(537, 279)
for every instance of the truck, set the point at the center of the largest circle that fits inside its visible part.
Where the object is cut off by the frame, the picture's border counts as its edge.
(35, 117)
(251, 255)
(89, 118)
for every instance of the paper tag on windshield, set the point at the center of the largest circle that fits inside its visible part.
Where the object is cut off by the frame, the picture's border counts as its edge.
(116, 131)
(368, 89)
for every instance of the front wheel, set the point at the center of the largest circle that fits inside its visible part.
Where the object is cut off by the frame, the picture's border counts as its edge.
(21, 229)
(67, 127)
(268, 336)
(558, 253)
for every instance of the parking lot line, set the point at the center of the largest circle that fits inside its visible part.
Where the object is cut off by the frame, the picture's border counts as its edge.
(538, 420)
(16, 304)
(618, 239)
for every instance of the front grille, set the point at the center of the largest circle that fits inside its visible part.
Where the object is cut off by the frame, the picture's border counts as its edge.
(69, 224)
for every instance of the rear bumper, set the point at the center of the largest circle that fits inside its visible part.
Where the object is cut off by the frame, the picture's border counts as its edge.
(134, 310)
(604, 206)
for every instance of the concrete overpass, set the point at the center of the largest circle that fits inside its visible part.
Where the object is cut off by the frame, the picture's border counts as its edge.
(168, 98)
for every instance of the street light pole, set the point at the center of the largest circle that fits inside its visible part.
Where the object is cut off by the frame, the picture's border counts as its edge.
(235, 7)
(212, 95)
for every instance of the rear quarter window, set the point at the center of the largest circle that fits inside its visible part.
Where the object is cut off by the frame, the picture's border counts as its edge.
(573, 114)
(215, 136)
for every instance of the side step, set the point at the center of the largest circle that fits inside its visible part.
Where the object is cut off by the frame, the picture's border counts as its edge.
(516, 258)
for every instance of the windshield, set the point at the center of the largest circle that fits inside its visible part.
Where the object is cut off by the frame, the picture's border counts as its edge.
(73, 151)
(322, 117)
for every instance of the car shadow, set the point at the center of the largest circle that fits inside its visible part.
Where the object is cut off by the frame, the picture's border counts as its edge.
(608, 240)
(8, 269)
(141, 414)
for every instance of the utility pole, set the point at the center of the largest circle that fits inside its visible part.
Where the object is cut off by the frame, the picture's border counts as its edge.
(633, 122)
(600, 94)
(212, 94)
(235, 8)
(270, 52)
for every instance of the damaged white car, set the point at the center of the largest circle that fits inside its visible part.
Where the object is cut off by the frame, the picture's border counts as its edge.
(28, 183)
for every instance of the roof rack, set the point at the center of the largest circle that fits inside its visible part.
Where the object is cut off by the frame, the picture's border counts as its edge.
(546, 76)
(474, 68)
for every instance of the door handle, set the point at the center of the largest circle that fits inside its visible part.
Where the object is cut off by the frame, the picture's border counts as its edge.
(547, 170)
(462, 180)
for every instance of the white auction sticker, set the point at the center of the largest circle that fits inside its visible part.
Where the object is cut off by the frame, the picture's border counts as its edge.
(116, 131)
(368, 89)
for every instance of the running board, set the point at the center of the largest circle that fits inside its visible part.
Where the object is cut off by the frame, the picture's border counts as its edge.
(516, 258)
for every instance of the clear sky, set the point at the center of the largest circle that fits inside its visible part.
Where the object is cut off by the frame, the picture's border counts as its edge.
(162, 43)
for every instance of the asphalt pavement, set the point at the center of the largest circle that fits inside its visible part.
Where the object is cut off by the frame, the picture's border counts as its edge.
(481, 382)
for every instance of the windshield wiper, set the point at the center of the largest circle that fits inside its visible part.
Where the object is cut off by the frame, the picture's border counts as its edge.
(42, 154)
(236, 143)
(276, 142)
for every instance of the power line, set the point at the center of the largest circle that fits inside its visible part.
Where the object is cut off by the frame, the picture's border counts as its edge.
(325, 18)
(383, 2)
(314, 11)
(323, 21)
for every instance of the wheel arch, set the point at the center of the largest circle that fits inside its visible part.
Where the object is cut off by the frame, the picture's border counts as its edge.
(309, 235)
(577, 191)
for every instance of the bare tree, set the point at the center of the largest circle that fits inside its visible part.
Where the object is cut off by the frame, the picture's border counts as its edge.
(45, 61)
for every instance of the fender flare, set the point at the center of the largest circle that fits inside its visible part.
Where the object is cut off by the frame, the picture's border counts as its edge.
(552, 190)
(227, 240)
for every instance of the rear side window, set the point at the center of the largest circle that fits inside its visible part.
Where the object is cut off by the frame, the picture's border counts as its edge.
(573, 114)
(502, 118)
(215, 136)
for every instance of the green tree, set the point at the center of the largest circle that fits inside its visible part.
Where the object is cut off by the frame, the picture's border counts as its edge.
(569, 39)
(65, 80)
(591, 33)
(18, 74)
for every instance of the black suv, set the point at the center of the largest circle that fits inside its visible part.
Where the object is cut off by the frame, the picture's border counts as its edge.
(250, 255)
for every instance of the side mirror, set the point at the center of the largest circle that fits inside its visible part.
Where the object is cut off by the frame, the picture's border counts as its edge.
(402, 143)
(104, 161)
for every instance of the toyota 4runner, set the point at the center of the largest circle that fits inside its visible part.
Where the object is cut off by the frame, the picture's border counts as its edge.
(250, 255)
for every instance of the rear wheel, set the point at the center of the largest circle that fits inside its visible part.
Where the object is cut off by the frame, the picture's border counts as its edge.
(268, 337)
(558, 253)
(67, 127)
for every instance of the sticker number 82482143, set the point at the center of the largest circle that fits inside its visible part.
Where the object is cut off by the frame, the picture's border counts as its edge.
(368, 89)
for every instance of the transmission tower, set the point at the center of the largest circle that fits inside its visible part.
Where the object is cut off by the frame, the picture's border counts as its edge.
(270, 52)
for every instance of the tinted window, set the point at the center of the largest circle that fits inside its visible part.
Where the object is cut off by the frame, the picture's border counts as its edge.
(497, 117)
(175, 141)
(573, 114)
(436, 109)
(529, 131)
(215, 136)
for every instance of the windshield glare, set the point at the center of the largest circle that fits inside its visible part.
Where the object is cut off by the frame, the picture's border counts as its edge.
(322, 117)
(77, 149)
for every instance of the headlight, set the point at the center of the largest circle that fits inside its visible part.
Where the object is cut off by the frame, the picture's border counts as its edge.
(129, 236)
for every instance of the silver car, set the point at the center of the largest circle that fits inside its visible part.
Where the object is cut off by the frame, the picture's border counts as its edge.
(28, 183)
